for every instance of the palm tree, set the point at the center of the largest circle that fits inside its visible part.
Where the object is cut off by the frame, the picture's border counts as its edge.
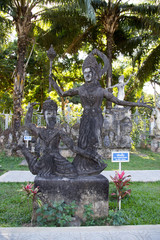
(24, 19)
(21, 13)
(125, 26)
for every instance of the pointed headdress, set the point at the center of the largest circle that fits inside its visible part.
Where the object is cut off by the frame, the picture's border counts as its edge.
(91, 62)
(49, 105)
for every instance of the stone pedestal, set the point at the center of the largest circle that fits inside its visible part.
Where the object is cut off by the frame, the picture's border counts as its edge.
(83, 190)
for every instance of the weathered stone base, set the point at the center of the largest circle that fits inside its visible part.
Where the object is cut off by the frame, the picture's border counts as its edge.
(83, 190)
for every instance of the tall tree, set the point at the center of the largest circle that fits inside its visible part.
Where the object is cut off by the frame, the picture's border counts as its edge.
(23, 17)
(124, 25)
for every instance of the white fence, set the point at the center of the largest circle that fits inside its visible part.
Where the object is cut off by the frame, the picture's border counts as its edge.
(6, 120)
(140, 124)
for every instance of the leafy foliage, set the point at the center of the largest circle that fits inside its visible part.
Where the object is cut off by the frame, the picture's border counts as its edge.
(57, 214)
(116, 218)
(150, 64)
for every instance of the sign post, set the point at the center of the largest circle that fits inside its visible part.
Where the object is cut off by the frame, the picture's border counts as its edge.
(27, 139)
(120, 157)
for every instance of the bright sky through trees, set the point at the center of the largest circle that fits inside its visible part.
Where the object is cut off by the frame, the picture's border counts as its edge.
(148, 88)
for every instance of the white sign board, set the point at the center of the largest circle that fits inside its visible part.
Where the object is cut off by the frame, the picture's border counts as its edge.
(27, 138)
(120, 156)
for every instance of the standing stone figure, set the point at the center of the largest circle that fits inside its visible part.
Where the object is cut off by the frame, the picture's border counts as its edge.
(91, 95)
(155, 119)
(120, 86)
(51, 162)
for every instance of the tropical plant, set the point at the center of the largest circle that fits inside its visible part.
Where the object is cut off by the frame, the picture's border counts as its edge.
(121, 182)
(32, 193)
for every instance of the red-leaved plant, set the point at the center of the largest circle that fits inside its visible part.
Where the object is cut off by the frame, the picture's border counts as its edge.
(31, 193)
(121, 182)
(30, 190)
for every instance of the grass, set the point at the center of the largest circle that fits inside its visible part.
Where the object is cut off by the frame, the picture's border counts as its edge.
(14, 209)
(10, 163)
(142, 207)
(142, 159)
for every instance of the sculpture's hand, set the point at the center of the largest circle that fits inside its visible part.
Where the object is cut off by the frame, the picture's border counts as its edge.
(96, 157)
(141, 103)
(34, 104)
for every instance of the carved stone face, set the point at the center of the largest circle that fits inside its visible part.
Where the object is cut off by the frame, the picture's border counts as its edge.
(50, 117)
(88, 74)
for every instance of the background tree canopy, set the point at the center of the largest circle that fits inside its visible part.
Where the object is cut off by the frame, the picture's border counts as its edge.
(129, 34)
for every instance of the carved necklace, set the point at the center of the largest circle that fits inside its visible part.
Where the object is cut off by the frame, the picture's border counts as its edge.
(90, 93)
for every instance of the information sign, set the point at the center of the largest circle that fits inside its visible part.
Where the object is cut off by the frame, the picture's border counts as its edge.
(27, 138)
(120, 156)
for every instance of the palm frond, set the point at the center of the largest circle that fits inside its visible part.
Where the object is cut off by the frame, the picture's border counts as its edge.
(149, 65)
(146, 9)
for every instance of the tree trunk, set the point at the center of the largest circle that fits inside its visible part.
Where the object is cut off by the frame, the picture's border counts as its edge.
(23, 25)
(109, 75)
(19, 84)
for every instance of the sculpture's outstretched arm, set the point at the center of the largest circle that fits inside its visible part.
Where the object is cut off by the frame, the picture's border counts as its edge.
(71, 92)
(116, 85)
(55, 86)
(128, 79)
(121, 84)
(109, 96)
(28, 119)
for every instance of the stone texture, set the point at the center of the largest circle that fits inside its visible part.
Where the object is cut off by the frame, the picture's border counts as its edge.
(116, 131)
(84, 190)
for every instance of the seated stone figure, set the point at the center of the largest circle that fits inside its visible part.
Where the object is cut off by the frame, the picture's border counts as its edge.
(51, 162)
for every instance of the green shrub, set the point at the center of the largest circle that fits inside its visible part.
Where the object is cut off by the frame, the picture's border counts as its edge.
(56, 214)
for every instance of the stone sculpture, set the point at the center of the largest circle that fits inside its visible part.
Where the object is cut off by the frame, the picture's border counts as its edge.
(155, 118)
(57, 178)
(91, 95)
(121, 84)
(155, 127)
(51, 163)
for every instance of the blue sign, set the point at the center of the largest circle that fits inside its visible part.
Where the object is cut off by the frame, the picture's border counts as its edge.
(27, 138)
(120, 156)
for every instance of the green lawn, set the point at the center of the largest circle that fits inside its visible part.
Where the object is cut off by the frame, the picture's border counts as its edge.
(142, 207)
(139, 160)
(10, 163)
(14, 209)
